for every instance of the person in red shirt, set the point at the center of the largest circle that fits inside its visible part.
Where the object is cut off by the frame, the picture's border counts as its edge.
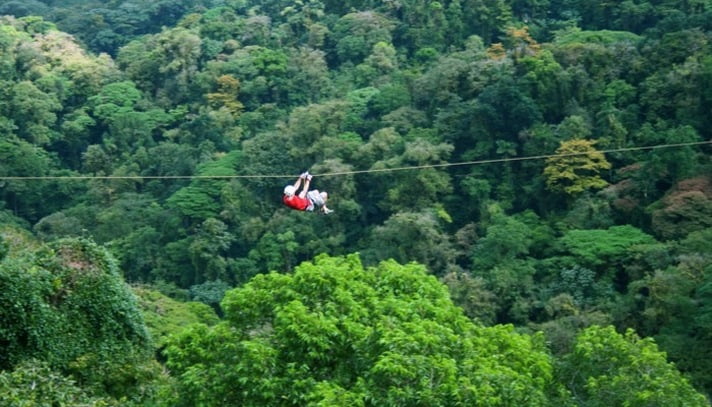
(306, 200)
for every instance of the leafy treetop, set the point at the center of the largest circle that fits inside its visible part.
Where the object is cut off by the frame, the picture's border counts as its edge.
(336, 333)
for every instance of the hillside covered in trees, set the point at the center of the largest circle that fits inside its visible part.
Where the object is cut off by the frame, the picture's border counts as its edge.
(146, 258)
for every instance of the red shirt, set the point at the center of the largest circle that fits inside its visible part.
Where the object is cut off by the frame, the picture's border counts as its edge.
(295, 202)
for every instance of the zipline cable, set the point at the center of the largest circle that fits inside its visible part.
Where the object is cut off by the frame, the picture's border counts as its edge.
(340, 173)
(508, 159)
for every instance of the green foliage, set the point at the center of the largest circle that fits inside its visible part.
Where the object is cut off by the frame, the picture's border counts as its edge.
(332, 330)
(276, 251)
(677, 307)
(165, 316)
(598, 247)
(210, 292)
(503, 110)
(686, 208)
(413, 236)
(224, 88)
(604, 37)
(34, 383)
(114, 98)
(27, 322)
(34, 111)
(201, 199)
(68, 306)
(4, 249)
(471, 294)
(20, 158)
(357, 33)
(575, 168)
(606, 368)
(506, 238)
(580, 283)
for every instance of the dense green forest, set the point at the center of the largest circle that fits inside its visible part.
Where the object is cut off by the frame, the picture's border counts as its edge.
(582, 277)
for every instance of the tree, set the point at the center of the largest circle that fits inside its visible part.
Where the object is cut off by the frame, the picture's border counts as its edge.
(308, 74)
(35, 113)
(19, 158)
(471, 294)
(67, 306)
(210, 293)
(381, 62)
(686, 208)
(262, 72)
(165, 316)
(201, 199)
(76, 128)
(58, 225)
(414, 236)
(543, 76)
(406, 190)
(490, 17)
(275, 250)
(206, 250)
(601, 247)
(34, 383)
(114, 98)
(659, 170)
(422, 24)
(164, 64)
(335, 333)
(226, 96)
(503, 258)
(506, 238)
(575, 168)
(606, 368)
(673, 304)
(357, 33)
(505, 110)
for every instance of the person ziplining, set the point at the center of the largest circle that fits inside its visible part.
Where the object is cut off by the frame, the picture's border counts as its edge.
(306, 200)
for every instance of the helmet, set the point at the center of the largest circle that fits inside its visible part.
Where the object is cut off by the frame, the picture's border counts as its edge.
(289, 190)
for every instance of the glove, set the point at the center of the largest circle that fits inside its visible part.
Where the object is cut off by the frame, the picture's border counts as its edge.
(304, 175)
(308, 177)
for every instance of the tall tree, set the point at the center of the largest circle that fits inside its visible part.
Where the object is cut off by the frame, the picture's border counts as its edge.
(607, 368)
(575, 168)
(74, 312)
(334, 333)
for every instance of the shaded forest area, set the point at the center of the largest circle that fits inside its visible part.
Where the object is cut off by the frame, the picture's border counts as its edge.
(582, 280)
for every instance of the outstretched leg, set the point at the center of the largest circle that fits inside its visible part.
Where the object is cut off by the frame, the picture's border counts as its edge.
(325, 197)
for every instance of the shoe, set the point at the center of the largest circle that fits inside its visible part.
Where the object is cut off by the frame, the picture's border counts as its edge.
(328, 211)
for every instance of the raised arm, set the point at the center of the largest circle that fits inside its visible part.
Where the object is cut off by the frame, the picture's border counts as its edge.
(307, 181)
(298, 183)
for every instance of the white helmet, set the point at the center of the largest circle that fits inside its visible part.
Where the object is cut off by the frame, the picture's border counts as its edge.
(289, 190)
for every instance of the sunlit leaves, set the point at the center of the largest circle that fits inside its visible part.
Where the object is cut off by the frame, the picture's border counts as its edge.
(576, 168)
(597, 246)
(386, 335)
(606, 368)
(114, 98)
(165, 316)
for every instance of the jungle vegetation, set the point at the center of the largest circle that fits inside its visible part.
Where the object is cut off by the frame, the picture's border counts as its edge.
(581, 278)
